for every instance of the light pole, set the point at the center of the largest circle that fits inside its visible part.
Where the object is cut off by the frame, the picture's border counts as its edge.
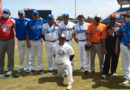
(75, 9)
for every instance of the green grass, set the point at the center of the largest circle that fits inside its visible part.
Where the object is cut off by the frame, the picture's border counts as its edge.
(50, 82)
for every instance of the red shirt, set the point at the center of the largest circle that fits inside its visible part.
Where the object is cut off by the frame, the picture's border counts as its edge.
(6, 29)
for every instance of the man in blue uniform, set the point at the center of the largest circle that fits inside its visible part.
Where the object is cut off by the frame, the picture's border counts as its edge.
(34, 42)
(124, 38)
(21, 27)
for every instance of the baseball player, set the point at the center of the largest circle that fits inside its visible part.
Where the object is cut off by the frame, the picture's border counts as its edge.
(124, 38)
(51, 32)
(80, 31)
(64, 55)
(20, 28)
(7, 42)
(34, 42)
(66, 27)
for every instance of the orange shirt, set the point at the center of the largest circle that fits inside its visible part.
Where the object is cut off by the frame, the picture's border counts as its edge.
(95, 32)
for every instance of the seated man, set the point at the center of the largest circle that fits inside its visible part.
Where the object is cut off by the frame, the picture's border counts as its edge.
(64, 55)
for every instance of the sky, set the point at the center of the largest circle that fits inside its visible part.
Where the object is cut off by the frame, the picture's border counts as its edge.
(58, 7)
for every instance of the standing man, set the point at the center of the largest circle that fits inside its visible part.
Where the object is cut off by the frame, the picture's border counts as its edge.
(124, 37)
(21, 27)
(64, 55)
(66, 27)
(34, 42)
(51, 32)
(80, 32)
(109, 42)
(7, 42)
(94, 33)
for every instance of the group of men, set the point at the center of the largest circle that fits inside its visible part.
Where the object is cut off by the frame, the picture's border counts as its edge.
(92, 38)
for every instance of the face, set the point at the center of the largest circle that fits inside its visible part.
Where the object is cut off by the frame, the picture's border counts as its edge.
(62, 41)
(6, 15)
(80, 19)
(128, 19)
(50, 21)
(21, 16)
(112, 20)
(97, 19)
(65, 19)
(35, 16)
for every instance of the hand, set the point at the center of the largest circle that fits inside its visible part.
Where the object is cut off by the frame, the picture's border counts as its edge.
(28, 45)
(76, 40)
(40, 18)
(55, 23)
(89, 44)
(128, 47)
(104, 51)
(117, 51)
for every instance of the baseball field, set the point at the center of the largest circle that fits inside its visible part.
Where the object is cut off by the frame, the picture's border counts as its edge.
(51, 82)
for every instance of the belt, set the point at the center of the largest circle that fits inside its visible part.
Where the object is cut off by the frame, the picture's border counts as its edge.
(51, 41)
(68, 40)
(96, 43)
(60, 64)
(21, 40)
(36, 39)
(81, 40)
(126, 44)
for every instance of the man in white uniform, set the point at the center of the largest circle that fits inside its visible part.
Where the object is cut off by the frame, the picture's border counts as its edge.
(51, 34)
(80, 32)
(64, 55)
(66, 27)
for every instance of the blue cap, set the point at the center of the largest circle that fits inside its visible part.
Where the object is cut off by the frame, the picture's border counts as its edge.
(65, 15)
(21, 12)
(50, 17)
(35, 12)
(6, 11)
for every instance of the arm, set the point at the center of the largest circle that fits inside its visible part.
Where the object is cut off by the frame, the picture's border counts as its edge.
(117, 46)
(75, 38)
(28, 41)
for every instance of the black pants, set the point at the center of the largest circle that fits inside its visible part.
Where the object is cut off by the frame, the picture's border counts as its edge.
(111, 59)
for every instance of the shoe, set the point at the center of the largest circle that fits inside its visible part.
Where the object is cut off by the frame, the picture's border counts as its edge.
(32, 72)
(92, 72)
(9, 74)
(28, 70)
(69, 86)
(86, 72)
(1, 72)
(114, 75)
(21, 70)
(16, 75)
(81, 69)
(126, 82)
(103, 76)
(50, 71)
(41, 72)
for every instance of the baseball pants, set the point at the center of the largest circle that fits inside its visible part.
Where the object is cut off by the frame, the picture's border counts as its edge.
(97, 48)
(36, 50)
(23, 53)
(84, 55)
(7, 46)
(49, 48)
(125, 60)
(68, 67)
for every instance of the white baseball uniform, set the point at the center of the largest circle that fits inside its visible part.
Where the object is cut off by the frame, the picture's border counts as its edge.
(80, 30)
(51, 34)
(67, 29)
(62, 60)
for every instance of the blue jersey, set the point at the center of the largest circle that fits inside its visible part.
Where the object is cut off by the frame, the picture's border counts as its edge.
(125, 32)
(21, 27)
(34, 29)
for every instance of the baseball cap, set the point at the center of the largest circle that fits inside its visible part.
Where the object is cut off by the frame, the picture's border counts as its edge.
(113, 15)
(97, 16)
(6, 11)
(65, 15)
(35, 12)
(128, 13)
(21, 12)
(50, 17)
(62, 36)
(80, 16)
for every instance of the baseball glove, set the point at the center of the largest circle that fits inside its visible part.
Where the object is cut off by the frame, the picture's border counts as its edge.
(88, 47)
